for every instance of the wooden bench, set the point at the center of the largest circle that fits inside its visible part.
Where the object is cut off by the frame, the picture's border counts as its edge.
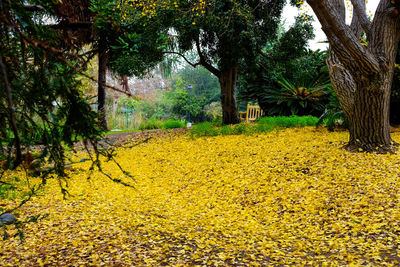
(252, 113)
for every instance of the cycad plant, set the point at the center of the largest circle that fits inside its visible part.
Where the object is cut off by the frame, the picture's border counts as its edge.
(302, 96)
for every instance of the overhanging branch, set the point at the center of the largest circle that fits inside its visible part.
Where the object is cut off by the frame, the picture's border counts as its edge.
(59, 54)
(194, 65)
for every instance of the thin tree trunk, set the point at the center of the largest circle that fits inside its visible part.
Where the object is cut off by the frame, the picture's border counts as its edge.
(101, 89)
(18, 153)
(227, 81)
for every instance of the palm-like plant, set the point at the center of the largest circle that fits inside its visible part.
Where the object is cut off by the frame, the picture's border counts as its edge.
(306, 96)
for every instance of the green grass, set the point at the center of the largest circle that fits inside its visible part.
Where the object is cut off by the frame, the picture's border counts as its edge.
(151, 125)
(171, 124)
(292, 121)
(265, 124)
(204, 129)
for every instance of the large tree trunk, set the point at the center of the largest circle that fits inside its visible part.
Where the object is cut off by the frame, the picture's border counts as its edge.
(362, 74)
(227, 81)
(101, 89)
(365, 103)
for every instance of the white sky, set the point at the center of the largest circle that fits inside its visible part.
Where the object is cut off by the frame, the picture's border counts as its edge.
(290, 12)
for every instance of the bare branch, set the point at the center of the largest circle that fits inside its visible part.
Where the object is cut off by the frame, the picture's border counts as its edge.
(194, 65)
(359, 9)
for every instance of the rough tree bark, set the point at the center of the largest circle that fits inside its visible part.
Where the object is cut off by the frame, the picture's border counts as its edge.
(227, 81)
(362, 74)
(101, 89)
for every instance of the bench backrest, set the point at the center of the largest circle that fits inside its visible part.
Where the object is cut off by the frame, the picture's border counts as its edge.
(253, 113)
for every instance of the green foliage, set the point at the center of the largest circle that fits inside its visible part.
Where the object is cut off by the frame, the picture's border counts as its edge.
(204, 129)
(247, 24)
(171, 124)
(205, 90)
(151, 124)
(180, 100)
(304, 97)
(287, 77)
(213, 111)
(203, 83)
(333, 114)
(134, 48)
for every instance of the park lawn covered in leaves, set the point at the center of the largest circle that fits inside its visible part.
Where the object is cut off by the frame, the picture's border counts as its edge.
(286, 197)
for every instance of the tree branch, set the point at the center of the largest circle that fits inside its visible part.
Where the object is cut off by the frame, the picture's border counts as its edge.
(359, 9)
(194, 65)
(59, 54)
(204, 62)
(334, 26)
(34, 8)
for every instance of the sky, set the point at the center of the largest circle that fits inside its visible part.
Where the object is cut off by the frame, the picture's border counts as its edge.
(290, 12)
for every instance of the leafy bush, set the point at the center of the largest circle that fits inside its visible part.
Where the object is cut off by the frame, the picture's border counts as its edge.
(289, 85)
(213, 111)
(171, 124)
(151, 125)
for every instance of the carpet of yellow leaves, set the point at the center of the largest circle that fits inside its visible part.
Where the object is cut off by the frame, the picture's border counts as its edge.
(287, 197)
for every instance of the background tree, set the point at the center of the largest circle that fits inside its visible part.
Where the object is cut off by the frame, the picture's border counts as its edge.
(362, 73)
(222, 33)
